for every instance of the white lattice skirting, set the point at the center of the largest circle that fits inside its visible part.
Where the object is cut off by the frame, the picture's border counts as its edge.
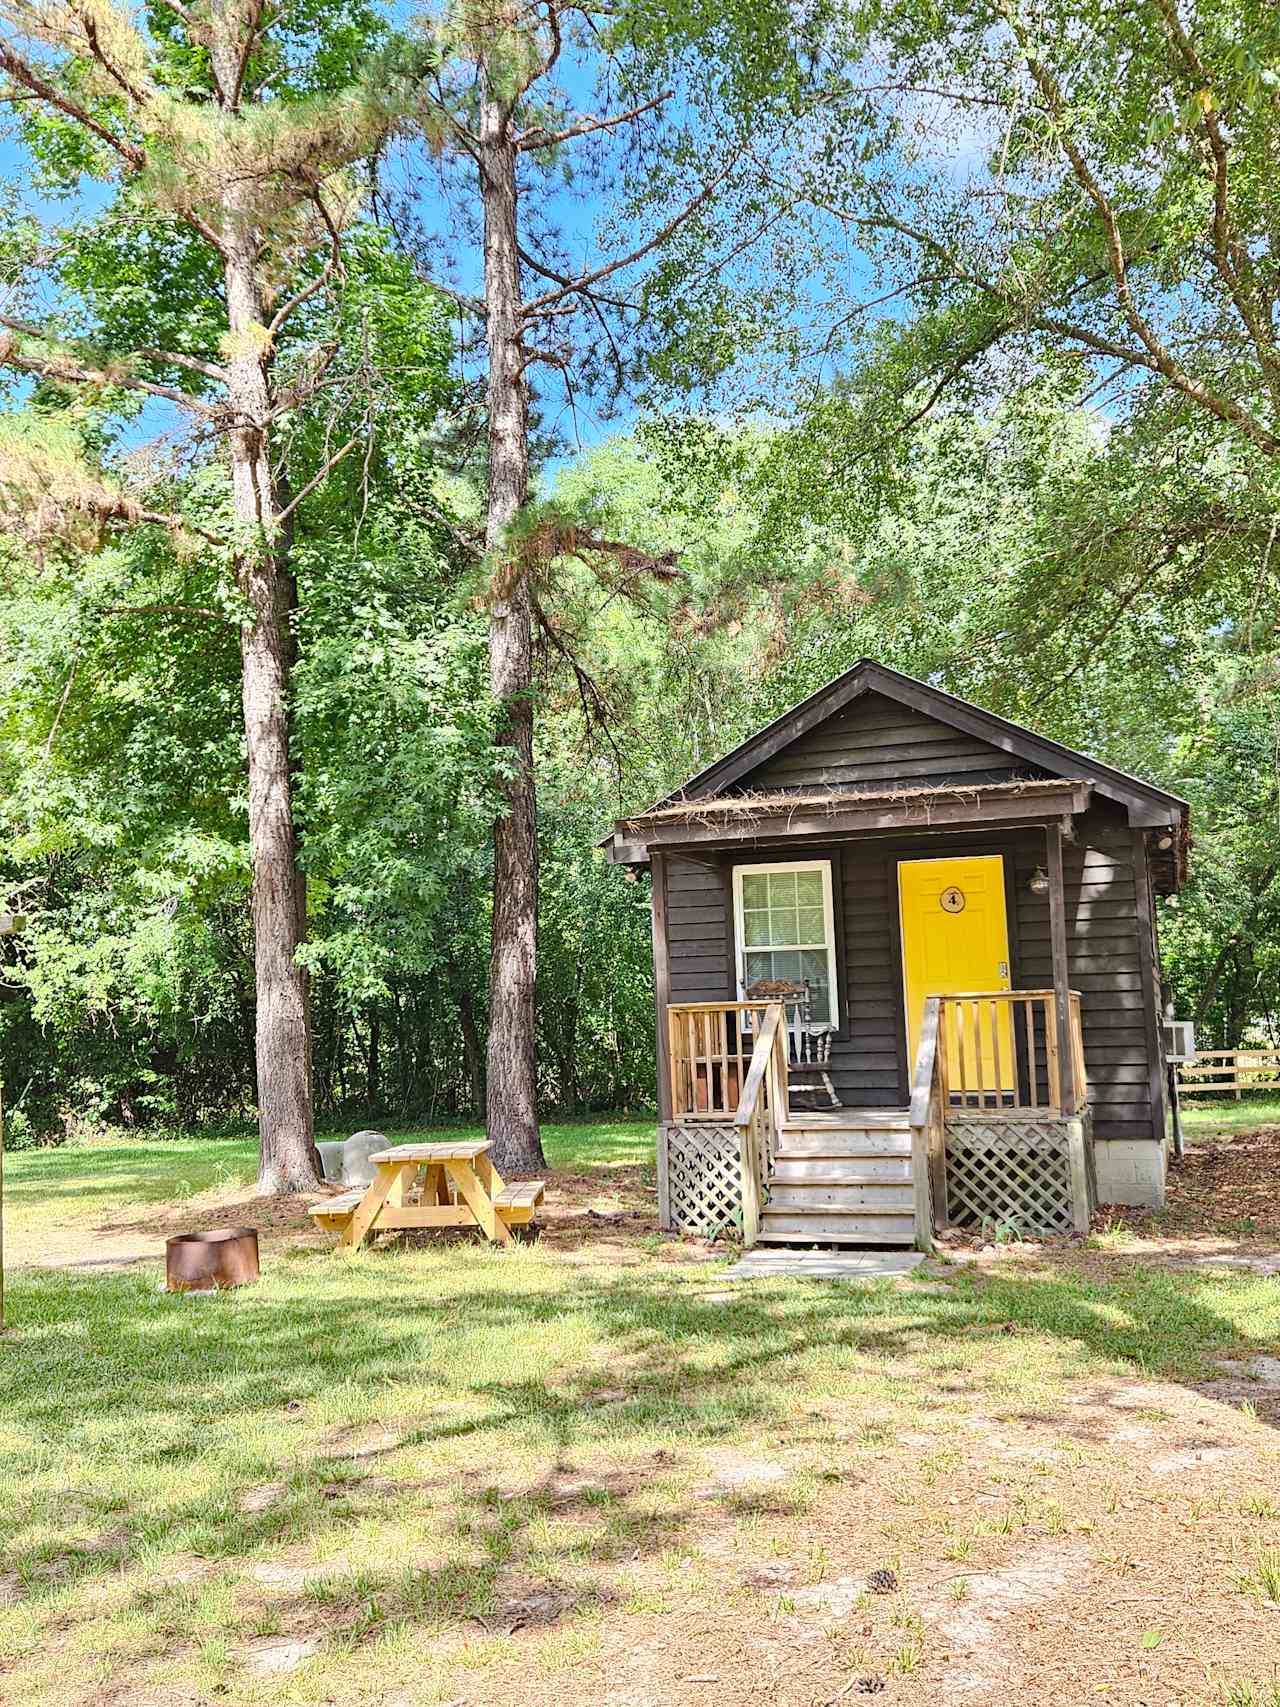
(1031, 1175)
(699, 1180)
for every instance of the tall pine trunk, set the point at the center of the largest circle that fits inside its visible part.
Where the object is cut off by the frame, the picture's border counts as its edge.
(511, 1079)
(283, 1033)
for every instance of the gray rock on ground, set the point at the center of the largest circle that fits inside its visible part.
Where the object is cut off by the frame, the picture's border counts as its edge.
(357, 1169)
(331, 1159)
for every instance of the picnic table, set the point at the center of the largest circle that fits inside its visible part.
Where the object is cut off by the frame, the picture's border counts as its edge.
(461, 1188)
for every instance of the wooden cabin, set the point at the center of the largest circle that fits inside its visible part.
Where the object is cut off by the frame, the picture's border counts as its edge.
(907, 974)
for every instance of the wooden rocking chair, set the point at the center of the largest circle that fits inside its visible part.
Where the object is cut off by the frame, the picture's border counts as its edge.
(809, 1054)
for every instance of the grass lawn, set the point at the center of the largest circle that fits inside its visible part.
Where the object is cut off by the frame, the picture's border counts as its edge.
(587, 1471)
(85, 1183)
(1224, 1114)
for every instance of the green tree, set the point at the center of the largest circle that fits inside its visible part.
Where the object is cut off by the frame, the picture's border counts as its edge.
(1043, 191)
(224, 135)
(683, 101)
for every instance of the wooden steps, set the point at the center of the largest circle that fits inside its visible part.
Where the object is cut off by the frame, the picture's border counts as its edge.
(842, 1179)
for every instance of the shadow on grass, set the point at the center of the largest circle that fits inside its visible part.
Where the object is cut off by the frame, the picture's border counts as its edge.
(112, 1367)
(145, 1170)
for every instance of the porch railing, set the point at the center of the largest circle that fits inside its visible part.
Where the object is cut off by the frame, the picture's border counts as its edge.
(711, 1046)
(982, 1057)
(999, 1051)
(928, 1132)
(759, 1116)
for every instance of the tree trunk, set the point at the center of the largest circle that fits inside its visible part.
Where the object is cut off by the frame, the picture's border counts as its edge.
(511, 1088)
(283, 1037)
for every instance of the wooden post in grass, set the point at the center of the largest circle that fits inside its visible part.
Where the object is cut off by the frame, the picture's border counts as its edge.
(10, 925)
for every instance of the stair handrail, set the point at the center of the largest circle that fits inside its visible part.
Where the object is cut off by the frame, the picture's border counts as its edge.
(762, 1108)
(928, 1160)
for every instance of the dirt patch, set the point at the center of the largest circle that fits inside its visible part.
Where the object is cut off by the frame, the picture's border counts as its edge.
(603, 1219)
(262, 1498)
(1225, 1184)
(835, 1599)
(980, 1663)
(272, 1658)
(737, 1475)
(1265, 1371)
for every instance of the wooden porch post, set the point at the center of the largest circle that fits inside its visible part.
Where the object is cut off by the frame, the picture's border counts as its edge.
(661, 982)
(661, 996)
(1061, 966)
(1152, 1012)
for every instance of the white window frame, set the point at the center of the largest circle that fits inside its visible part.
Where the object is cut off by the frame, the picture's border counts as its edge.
(739, 932)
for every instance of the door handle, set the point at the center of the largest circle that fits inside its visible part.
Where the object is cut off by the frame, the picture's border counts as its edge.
(1002, 970)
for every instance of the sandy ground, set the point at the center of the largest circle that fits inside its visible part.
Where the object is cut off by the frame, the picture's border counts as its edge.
(1115, 1532)
(600, 1216)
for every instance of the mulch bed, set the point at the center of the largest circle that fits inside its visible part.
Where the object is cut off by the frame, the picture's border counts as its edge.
(1225, 1187)
(1226, 1182)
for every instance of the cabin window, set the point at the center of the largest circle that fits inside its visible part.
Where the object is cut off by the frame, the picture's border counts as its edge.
(785, 928)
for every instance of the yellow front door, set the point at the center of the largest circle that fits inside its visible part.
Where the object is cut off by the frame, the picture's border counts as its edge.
(955, 938)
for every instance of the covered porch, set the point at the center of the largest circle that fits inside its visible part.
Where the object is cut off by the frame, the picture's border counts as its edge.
(995, 1134)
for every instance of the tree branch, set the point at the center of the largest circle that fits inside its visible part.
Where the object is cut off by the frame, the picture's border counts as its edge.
(472, 304)
(24, 73)
(585, 280)
(1159, 359)
(563, 279)
(541, 68)
(210, 370)
(539, 137)
(253, 29)
(331, 267)
(142, 97)
(164, 609)
(1231, 260)
(62, 367)
(1021, 312)
(315, 480)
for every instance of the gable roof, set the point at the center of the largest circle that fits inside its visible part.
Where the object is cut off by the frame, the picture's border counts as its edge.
(1147, 806)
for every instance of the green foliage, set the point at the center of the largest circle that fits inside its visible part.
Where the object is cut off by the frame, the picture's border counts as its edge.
(935, 484)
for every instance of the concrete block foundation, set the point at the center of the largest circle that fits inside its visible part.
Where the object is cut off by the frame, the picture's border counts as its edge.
(1130, 1170)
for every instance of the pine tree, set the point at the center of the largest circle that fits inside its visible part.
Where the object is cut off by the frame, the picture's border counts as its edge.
(686, 97)
(236, 140)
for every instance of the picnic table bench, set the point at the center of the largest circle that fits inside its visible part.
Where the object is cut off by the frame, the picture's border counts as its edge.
(461, 1188)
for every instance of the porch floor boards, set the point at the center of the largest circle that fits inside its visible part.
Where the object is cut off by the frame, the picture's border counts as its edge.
(806, 1120)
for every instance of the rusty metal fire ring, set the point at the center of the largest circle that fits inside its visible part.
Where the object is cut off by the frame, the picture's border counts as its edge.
(208, 1262)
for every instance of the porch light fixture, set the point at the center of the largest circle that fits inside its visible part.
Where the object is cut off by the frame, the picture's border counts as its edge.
(1039, 884)
(1164, 843)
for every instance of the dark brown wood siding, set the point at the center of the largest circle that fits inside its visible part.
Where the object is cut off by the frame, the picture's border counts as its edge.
(1106, 965)
(700, 932)
(876, 742)
(868, 1054)
(879, 743)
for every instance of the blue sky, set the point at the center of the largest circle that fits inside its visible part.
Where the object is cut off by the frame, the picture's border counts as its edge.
(578, 212)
